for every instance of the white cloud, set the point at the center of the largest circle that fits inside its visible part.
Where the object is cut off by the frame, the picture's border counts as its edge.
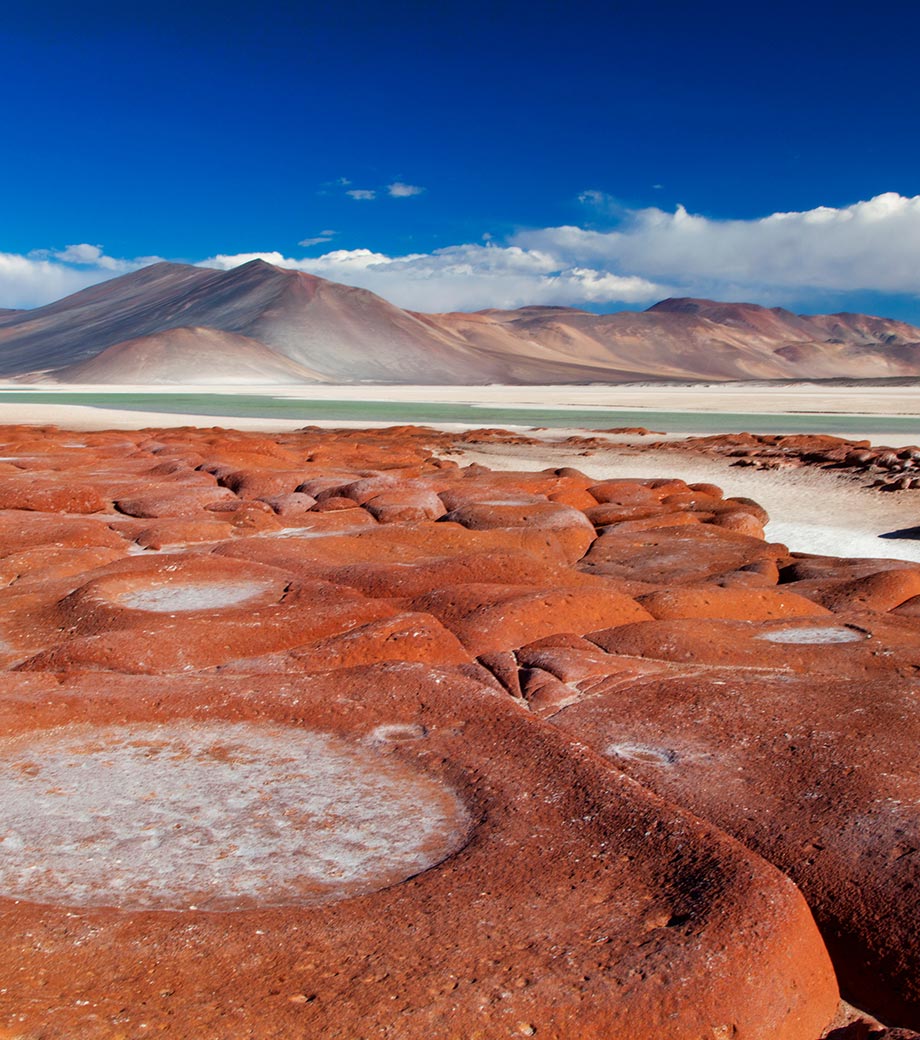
(80, 254)
(398, 190)
(591, 197)
(785, 258)
(465, 277)
(323, 236)
(45, 275)
(362, 194)
(870, 245)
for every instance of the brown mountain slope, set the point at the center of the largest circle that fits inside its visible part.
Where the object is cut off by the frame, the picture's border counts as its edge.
(174, 323)
(183, 356)
(739, 341)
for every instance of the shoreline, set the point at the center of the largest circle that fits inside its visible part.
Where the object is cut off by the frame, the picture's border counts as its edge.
(789, 399)
(888, 415)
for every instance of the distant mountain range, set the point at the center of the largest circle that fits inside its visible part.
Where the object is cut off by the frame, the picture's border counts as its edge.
(260, 324)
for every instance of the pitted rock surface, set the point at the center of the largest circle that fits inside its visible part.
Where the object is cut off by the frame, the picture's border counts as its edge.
(532, 845)
(330, 689)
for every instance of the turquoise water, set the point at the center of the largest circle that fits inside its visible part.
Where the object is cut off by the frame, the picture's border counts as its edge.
(307, 411)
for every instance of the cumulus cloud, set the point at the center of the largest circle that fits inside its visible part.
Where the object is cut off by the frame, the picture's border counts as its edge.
(788, 258)
(870, 245)
(45, 275)
(362, 194)
(398, 190)
(465, 277)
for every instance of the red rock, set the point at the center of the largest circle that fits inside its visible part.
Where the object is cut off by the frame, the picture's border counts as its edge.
(294, 504)
(544, 693)
(712, 490)
(712, 601)
(881, 591)
(332, 503)
(316, 485)
(37, 565)
(261, 483)
(194, 612)
(182, 532)
(909, 608)
(848, 645)
(610, 513)
(45, 494)
(404, 637)
(407, 578)
(173, 500)
(804, 567)
(252, 518)
(503, 666)
(650, 523)
(19, 531)
(668, 928)
(676, 555)
(487, 618)
(576, 497)
(405, 505)
(816, 774)
(625, 493)
(741, 523)
(366, 488)
(571, 528)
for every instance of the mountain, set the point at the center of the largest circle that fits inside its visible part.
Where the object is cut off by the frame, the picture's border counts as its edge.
(175, 323)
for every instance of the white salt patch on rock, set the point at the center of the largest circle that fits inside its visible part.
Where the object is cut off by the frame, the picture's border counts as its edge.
(816, 634)
(214, 815)
(644, 753)
(200, 595)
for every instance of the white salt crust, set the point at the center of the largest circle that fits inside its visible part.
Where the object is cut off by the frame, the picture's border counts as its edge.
(644, 753)
(212, 815)
(199, 595)
(816, 634)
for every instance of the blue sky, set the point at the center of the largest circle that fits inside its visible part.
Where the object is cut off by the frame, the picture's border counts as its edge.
(466, 155)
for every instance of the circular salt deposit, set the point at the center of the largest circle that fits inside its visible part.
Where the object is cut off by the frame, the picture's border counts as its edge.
(213, 815)
(813, 634)
(193, 595)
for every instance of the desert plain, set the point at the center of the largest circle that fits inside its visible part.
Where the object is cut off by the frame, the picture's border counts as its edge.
(358, 731)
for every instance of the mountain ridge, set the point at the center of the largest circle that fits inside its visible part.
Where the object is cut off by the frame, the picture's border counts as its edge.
(260, 323)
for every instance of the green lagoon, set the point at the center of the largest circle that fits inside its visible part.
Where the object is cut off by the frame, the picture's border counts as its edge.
(397, 412)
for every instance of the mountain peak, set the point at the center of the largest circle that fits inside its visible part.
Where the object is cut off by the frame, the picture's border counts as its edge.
(697, 305)
(259, 317)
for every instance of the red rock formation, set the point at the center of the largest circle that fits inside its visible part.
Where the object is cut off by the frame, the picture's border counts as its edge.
(560, 898)
(355, 585)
